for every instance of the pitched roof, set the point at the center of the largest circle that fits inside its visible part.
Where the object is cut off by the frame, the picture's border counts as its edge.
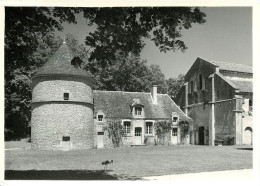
(243, 85)
(60, 64)
(232, 66)
(117, 104)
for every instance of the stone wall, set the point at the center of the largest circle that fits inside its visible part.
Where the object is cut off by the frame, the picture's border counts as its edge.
(52, 89)
(54, 118)
(50, 122)
(201, 118)
(225, 122)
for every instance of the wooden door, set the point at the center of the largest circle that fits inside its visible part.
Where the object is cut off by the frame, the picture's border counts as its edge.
(100, 140)
(138, 136)
(174, 137)
(201, 135)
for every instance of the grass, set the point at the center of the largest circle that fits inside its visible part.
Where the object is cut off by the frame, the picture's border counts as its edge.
(130, 163)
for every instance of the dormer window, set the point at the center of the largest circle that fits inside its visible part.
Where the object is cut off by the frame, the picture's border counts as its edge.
(138, 111)
(175, 119)
(66, 96)
(100, 118)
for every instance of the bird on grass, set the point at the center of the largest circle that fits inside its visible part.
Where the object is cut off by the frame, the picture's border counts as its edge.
(105, 163)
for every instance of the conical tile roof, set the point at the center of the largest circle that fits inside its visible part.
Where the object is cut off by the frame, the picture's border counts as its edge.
(60, 64)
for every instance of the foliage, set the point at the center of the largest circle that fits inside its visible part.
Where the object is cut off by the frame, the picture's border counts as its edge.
(115, 132)
(127, 73)
(125, 28)
(163, 132)
(184, 130)
(174, 85)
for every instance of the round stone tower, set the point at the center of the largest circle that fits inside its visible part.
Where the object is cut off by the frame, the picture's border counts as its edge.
(62, 105)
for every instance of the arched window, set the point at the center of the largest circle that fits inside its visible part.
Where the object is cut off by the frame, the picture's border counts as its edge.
(249, 128)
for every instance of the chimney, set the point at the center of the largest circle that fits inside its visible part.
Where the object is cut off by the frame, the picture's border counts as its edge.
(154, 94)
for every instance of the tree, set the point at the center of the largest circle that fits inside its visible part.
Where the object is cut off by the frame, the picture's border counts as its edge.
(174, 85)
(125, 28)
(156, 77)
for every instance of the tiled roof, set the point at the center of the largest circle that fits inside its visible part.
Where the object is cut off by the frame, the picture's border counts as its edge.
(60, 63)
(117, 104)
(232, 66)
(243, 86)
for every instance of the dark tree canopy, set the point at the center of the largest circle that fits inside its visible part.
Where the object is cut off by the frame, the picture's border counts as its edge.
(125, 28)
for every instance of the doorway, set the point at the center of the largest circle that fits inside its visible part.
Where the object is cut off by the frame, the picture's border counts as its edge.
(174, 138)
(138, 136)
(100, 140)
(248, 136)
(201, 135)
(65, 143)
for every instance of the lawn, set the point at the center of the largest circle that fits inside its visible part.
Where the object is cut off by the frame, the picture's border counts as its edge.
(129, 163)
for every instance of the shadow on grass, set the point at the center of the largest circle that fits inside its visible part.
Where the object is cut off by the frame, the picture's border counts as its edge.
(64, 175)
(249, 148)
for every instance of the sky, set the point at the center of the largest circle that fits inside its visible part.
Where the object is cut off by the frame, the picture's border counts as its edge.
(226, 36)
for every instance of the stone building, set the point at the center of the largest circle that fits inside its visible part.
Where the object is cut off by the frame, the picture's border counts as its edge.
(218, 96)
(67, 114)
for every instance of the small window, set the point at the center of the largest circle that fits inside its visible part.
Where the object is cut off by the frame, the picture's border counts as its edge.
(100, 133)
(218, 94)
(191, 86)
(138, 111)
(201, 82)
(66, 96)
(174, 131)
(100, 117)
(175, 118)
(149, 127)
(65, 138)
(127, 125)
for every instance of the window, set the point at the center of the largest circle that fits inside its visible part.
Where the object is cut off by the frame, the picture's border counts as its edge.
(127, 125)
(174, 132)
(100, 117)
(175, 118)
(149, 128)
(66, 96)
(65, 138)
(138, 111)
(218, 95)
(201, 82)
(191, 86)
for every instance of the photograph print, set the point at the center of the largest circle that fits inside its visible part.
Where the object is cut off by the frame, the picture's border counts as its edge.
(127, 93)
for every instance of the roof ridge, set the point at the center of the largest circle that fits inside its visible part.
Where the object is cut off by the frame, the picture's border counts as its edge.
(121, 91)
(212, 62)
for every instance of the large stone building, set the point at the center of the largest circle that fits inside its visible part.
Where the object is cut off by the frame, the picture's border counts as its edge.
(68, 114)
(218, 96)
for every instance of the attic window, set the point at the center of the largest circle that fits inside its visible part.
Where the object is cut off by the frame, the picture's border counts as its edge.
(100, 118)
(138, 111)
(191, 86)
(66, 96)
